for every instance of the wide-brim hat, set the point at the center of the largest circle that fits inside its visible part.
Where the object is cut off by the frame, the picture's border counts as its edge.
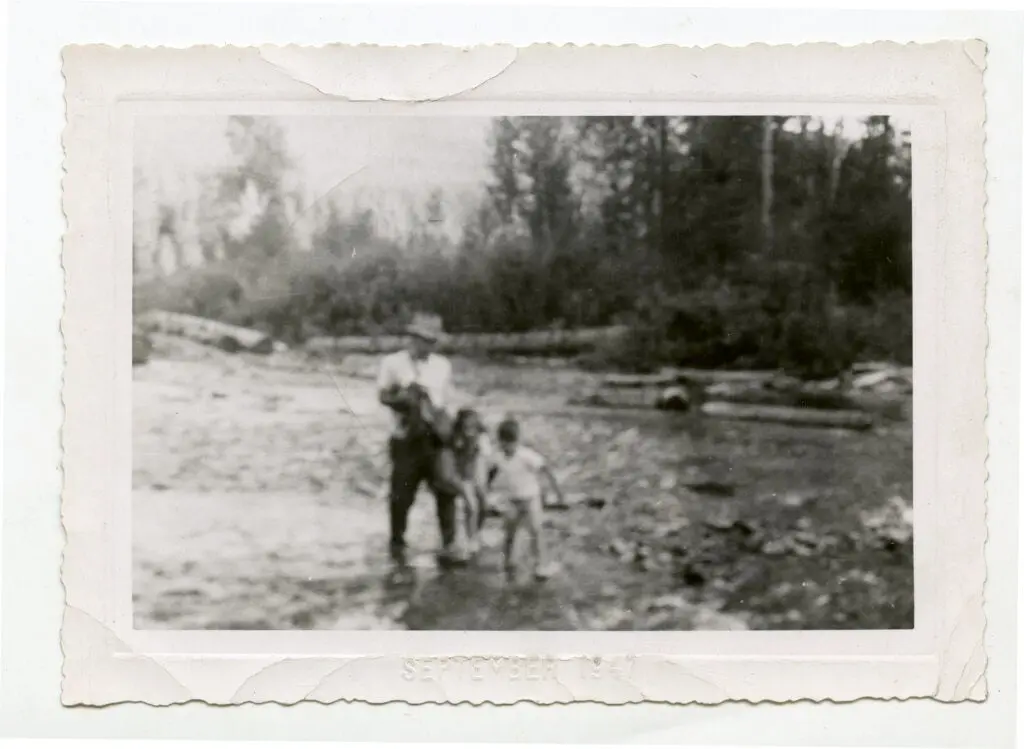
(427, 327)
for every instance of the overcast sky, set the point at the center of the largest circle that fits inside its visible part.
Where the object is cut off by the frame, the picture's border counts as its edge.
(375, 162)
(385, 163)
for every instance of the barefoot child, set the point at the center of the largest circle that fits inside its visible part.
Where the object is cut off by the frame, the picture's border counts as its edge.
(472, 452)
(517, 482)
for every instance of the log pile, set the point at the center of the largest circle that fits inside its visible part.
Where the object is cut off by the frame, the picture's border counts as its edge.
(848, 402)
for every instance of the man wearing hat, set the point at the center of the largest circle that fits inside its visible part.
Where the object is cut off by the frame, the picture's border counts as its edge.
(414, 461)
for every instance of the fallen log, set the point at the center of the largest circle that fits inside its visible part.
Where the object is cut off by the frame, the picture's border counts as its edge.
(618, 399)
(900, 377)
(629, 382)
(674, 398)
(788, 415)
(531, 343)
(354, 344)
(872, 366)
(821, 399)
(888, 406)
(669, 377)
(230, 338)
(724, 390)
(708, 376)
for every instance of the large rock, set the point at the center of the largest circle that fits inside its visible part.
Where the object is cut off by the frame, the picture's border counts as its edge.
(675, 398)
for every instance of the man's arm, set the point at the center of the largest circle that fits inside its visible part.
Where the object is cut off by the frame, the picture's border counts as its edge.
(391, 393)
(395, 398)
(450, 395)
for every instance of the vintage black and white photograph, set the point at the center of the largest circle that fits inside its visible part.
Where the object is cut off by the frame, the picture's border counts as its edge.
(522, 373)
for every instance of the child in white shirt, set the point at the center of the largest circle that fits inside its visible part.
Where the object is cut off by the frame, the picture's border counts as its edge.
(517, 484)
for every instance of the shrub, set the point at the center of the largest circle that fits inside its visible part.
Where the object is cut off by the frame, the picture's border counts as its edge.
(212, 292)
(884, 329)
(800, 331)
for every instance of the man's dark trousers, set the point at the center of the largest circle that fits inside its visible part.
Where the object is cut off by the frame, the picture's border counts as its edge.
(414, 461)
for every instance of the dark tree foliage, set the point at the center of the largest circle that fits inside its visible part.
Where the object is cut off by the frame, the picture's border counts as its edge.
(724, 241)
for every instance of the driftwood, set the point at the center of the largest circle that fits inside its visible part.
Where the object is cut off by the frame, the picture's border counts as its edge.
(853, 409)
(629, 381)
(535, 343)
(618, 399)
(888, 406)
(899, 379)
(354, 344)
(669, 377)
(789, 415)
(850, 401)
(230, 338)
(674, 398)
(872, 366)
(794, 397)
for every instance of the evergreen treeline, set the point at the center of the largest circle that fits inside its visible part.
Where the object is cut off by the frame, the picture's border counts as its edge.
(724, 241)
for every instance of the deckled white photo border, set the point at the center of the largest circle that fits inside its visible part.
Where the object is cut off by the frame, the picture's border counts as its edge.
(939, 86)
